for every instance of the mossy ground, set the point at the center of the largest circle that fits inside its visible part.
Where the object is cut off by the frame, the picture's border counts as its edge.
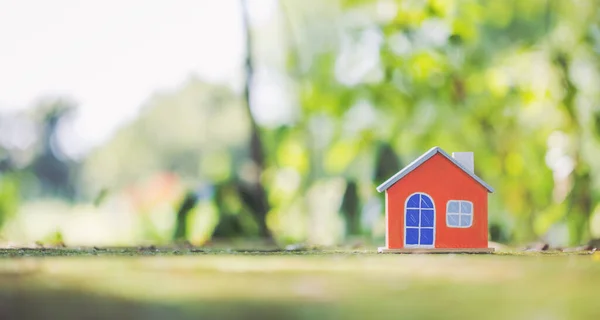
(194, 283)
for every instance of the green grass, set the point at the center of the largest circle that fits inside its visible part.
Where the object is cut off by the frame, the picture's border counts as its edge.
(163, 283)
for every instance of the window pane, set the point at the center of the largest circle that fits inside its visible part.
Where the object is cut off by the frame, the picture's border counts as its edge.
(426, 218)
(465, 207)
(426, 202)
(413, 202)
(452, 206)
(452, 220)
(466, 220)
(426, 236)
(412, 217)
(412, 236)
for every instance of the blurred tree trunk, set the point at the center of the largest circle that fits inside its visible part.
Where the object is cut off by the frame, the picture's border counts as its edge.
(351, 209)
(186, 206)
(55, 173)
(387, 163)
(253, 193)
(229, 225)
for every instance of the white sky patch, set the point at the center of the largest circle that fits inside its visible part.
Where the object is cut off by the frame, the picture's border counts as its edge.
(400, 44)
(358, 57)
(270, 100)
(261, 11)
(110, 56)
(435, 32)
(361, 116)
(17, 132)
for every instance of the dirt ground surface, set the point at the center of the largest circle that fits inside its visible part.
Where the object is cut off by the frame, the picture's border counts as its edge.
(196, 283)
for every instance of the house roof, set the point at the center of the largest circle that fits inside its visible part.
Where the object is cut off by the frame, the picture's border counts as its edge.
(420, 160)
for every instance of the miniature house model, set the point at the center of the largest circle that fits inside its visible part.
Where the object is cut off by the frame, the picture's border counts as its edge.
(438, 204)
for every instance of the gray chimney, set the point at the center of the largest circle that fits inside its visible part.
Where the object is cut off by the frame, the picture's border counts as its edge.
(465, 159)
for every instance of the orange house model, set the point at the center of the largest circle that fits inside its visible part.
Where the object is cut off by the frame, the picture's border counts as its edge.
(437, 204)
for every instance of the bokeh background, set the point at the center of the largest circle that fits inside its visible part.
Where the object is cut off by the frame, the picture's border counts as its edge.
(131, 122)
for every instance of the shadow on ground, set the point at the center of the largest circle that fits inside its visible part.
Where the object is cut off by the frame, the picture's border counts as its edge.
(152, 284)
(76, 305)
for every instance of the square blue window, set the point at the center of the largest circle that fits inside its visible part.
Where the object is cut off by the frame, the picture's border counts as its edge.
(466, 207)
(452, 207)
(426, 236)
(412, 217)
(412, 236)
(466, 220)
(452, 220)
(426, 218)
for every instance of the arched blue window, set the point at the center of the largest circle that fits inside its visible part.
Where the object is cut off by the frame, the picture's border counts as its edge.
(419, 223)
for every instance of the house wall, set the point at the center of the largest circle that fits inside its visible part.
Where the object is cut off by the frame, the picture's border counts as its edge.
(442, 181)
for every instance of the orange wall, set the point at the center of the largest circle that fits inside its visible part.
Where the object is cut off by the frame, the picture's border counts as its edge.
(442, 181)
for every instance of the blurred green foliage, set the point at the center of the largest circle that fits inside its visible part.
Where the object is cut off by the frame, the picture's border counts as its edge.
(371, 85)
(514, 81)
(9, 197)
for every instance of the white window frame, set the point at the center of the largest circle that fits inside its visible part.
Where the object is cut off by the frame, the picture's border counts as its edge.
(460, 214)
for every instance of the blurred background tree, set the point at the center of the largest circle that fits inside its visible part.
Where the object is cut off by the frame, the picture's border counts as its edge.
(336, 97)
